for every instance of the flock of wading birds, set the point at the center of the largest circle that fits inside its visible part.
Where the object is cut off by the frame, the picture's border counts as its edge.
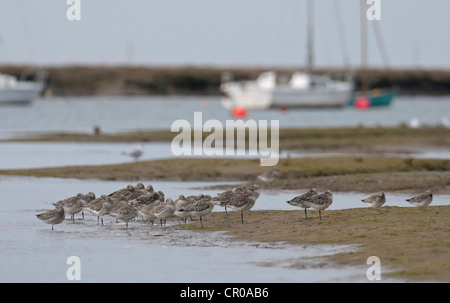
(133, 201)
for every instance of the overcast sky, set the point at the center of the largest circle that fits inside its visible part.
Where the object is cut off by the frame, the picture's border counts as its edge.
(220, 33)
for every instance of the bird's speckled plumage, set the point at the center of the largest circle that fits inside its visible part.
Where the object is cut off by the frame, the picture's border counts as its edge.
(53, 217)
(195, 206)
(242, 202)
(424, 199)
(376, 200)
(124, 192)
(302, 200)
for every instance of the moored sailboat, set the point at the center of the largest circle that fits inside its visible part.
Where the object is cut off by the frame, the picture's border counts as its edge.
(303, 90)
(376, 97)
(13, 91)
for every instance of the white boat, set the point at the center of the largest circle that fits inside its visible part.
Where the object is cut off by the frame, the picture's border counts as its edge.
(13, 91)
(303, 89)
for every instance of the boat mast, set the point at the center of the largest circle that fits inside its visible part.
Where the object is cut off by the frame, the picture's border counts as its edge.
(310, 36)
(364, 47)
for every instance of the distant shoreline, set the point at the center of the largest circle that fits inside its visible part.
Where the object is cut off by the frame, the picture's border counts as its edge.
(103, 80)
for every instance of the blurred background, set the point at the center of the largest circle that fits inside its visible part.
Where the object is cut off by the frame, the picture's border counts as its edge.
(120, 54)
(232, 33)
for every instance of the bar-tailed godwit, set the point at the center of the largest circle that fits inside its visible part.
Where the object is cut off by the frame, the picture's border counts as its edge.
(321, 201)
(424, 199)
(53, 217)
(376, 200)
(302, 200)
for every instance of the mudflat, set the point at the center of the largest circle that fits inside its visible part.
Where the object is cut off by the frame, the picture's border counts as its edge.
(412, 242)
(362, 174)
(339, 139)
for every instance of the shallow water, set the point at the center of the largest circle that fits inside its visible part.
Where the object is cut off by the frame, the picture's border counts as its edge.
(18, 155)
(31, 252)
(81, 114)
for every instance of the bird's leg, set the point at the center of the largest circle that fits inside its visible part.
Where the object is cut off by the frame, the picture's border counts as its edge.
(98, 218)
(320, 216)
(242, 216)
(52, 227)
(226, 211)
(306, 215)
(201, 222)
(82, 214)
(102, 221)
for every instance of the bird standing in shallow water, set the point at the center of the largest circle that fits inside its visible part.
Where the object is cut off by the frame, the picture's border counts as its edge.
(146, 211)
(424, 199)
(198, 206)
(182, 205)
(53, 217)
(99, 207)
(72, 205)
(145, 202)
(137, 153)
(87, 198)
(124, 213)
(162, 210)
